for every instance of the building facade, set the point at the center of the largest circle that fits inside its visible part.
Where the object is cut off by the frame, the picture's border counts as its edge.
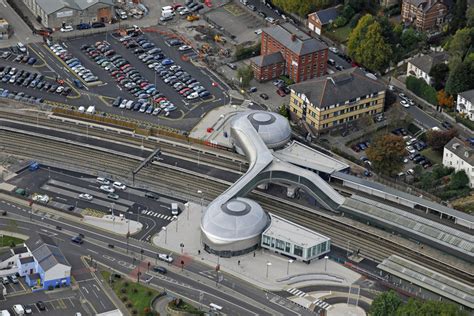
(420, 66)
(329, 102)
(304, 56)
(460, 156)
(317, 20)
(293, 240)
(5, 29)
(55, 14)
(464, 104)
(424, 15)
(267, 67)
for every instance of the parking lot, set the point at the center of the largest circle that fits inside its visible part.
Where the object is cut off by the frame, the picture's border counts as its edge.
(67, 304)
(82, 194)
(16, 288)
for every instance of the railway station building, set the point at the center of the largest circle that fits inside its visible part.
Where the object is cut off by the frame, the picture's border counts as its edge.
(293, 240)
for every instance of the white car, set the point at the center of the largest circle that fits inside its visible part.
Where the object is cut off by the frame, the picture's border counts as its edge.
(410, 149)
(404, 104)
(102, 181)
(165, 257)
(107, 189)
(86, 196)
(334, 50)
(184, 48)
(270, 20)
(192, 96)
(258, 32)
(119, 185)
(67, 28)
(41, 198)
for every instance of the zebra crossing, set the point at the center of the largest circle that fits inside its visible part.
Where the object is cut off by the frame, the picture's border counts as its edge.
(296, 292)
(157, 215)
(322, 304)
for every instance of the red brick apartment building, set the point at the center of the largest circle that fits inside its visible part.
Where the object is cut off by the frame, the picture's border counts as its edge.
(424, 15)
(287, 50)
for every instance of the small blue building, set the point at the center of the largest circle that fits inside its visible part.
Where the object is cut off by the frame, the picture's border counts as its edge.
(50, 268)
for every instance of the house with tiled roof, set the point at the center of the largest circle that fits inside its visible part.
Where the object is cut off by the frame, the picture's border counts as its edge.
(420, 66)
(465, 104)
(56, 13)
(332, 101)
(317, 20)
(424, 15)
(50, 268)
(304, 57)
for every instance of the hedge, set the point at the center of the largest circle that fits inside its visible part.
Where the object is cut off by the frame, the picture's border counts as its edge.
(247, 52)
(422, 89)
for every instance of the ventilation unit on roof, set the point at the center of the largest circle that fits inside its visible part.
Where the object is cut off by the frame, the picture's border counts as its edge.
(466, 154)
(456, 145)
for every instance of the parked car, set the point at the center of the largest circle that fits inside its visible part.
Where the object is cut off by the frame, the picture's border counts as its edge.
(264, 96)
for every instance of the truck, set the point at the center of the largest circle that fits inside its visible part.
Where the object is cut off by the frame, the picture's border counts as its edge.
(167, 14)
(91, 110)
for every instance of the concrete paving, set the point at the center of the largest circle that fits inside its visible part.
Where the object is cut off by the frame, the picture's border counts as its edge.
(262, 268)
(345, 310)
(116, 224)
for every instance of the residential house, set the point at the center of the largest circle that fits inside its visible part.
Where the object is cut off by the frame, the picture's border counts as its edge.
(51, 269)
(333, 100)
(459, 156)
(304, 57)
(317, 20)
(424, 15)
(420, 66)
(465, 104)
(55, 14)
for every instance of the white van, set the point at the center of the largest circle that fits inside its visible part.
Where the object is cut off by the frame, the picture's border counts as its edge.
(167, 8)
(18, 309)
(91, 110)
(5, 313)
(167, 14)
(174, 209)
(81, 109)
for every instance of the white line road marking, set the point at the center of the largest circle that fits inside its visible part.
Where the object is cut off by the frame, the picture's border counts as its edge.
(85, 290)
(93, 251)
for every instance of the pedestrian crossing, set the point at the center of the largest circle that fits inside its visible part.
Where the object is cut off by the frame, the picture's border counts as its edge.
(296, 292)
(322, 304)
(157, 215)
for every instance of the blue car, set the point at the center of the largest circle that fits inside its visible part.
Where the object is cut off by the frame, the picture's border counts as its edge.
(167, 62)
(78, 83)
(73, 64)
(83, 26)
(5, 93)
(31, 61)
(204, 94)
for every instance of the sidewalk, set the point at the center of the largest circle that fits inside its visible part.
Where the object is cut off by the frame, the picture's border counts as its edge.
(116, 224)
(253, 267)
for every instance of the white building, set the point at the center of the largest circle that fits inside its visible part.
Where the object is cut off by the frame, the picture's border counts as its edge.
(465, 104)
(460, 156)
(420, 66)
(294, 240)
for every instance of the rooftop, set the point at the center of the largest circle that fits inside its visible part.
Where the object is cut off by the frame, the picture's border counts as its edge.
(327, 15)
(426, 62)
(19, 249)
(266, 60)
(294, 39)
(283, 229)
(307, 157)
(46, 252)
(429, 279)
(460, 149)
(338, 88)
(468, 95)
(27, 260)
(52, 6)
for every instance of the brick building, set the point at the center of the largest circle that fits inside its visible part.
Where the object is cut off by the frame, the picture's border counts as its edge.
(302, 56)
(317, 20)
(424, 15)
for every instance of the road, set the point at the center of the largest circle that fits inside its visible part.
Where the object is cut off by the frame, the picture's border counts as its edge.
(232, 294)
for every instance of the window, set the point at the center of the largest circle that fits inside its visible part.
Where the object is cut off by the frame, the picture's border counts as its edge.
(298, 251)
(280, 245)
(288, 247)
(266, 240)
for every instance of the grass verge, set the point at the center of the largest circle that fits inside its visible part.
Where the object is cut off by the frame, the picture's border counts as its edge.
(135, 296)
(7, 241)
(434, 156)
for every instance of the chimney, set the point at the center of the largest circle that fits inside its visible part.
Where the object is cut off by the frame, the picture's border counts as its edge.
(293, 37)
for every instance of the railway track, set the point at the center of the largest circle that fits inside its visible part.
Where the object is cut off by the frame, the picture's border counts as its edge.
(160, 178)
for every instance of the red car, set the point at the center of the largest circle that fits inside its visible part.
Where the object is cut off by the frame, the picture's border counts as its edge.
(125, 66)
(184, 91)
(176, 6)
(281, 93)
(143, 84)
(158, 100)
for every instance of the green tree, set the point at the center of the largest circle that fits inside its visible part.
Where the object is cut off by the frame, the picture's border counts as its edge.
(461, 41)
(385, 304)
(357, 35)
(283, 110)
(459, 180)
(245, 75)
(439, 74)
(347, 12)
(470, 16)
(416, 307)
(422, 89)
(386, 154)
(459, 15)
(461, 78)
(340, 21)
(438, 139)
(409, 38)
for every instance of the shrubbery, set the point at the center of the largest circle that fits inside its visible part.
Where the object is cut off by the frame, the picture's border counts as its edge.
(422, 89)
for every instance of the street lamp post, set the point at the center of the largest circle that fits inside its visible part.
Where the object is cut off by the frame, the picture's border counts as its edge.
(268, 265)
(175, 218)
(187, 208)
(202, 198)
(166, 234)
(288, 266)
(325, 263)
